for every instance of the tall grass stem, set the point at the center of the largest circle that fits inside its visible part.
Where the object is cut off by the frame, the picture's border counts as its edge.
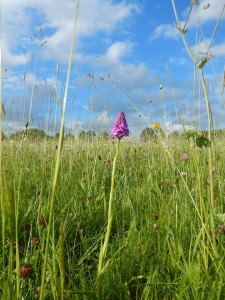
(58, 159)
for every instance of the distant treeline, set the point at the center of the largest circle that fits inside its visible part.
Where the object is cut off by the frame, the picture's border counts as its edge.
(146, 134)
(37, 134)
(150, 133)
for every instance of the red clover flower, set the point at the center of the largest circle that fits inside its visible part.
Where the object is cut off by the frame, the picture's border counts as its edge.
(26, 270)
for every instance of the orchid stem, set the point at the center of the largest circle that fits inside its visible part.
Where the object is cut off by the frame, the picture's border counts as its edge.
(103, 249)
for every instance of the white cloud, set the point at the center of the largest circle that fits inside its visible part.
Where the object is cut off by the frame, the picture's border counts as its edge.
(177, 127)
(202, 16)
(199, 16)
(13, 59)
(201, 47)
(103, 121)
(74, 125)
(10, 127)
(57, 16)
(218, 49)
(134, 79)
(167, 31)
(179, 61)
(215, 49)
(112, 56)
(129, 75)
(117, 51)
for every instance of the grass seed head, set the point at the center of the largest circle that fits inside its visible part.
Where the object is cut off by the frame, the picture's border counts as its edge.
(206, 6)
(194, 2)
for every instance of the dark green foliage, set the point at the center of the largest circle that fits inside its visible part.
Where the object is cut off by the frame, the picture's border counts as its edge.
(31, 134)
(90, 134)
(103, 135)
(150, 133)
(174, 135)
(3, 136)
(69, 136)
(87, 135)
(199, 139)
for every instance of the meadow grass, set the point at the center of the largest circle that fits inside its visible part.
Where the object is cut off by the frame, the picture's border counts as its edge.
(159, 246)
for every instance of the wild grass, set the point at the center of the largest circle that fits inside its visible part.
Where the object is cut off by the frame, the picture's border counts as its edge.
(158, 247)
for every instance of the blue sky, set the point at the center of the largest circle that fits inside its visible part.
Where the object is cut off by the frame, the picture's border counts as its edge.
(136, 42)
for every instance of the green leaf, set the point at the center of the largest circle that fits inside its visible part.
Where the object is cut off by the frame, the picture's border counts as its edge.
(202, 141)
(199, 139)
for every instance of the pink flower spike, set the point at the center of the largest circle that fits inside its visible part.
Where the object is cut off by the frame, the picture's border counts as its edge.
(120, 127)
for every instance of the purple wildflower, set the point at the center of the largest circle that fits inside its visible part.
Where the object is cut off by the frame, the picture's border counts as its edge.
(120, 127)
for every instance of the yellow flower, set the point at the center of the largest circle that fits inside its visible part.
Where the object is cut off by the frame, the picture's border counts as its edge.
(156, 125)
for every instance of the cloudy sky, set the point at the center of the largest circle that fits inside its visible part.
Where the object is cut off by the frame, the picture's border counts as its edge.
(124, 52)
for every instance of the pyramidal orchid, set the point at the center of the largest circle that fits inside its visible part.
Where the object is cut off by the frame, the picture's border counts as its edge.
(120, 127)
(119, 130)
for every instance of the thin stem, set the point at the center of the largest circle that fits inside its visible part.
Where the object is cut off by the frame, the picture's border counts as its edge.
(58, 160)
(109, 226)
(207, 104)
(33, 86)
(209, 114)
(175, 13)
(182, 33)
(188, 17)
(215, 29)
